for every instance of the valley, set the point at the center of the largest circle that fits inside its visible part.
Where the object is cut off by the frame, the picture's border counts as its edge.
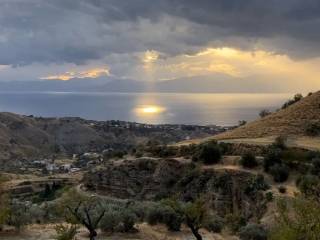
(139, 181)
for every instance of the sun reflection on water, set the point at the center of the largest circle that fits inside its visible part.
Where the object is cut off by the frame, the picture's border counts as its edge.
(146, 110)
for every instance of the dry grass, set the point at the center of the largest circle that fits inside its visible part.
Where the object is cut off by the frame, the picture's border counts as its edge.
(289, 121)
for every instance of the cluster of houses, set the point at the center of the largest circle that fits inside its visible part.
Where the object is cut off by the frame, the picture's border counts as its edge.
(50, 166)
(133, 125)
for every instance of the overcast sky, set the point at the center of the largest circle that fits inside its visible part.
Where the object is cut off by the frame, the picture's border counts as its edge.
(161, 39)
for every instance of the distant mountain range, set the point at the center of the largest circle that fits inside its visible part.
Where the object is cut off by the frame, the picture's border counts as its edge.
(218, 83)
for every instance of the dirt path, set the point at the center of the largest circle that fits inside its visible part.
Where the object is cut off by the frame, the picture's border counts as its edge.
(310, 143)
(145, 232)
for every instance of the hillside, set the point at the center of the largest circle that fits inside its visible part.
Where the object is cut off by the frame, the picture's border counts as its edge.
(29, 137)
(291, 121)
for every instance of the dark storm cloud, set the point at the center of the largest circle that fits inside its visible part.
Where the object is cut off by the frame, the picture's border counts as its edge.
(75, 31)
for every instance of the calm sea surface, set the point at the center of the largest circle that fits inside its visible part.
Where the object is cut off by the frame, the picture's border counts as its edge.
(220, 109)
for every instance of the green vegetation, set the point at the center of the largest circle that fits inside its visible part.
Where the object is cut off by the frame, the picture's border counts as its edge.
(111, 220)
(242, 123)
(255, 184)
(263, 113)
(309, 185)
(235, 222)
(128, 220)
(248, 160)
(66, 232)
(166, 213)
(279, 172)
(195, 215)
(280, 142)
(295, 99)
(282, 189)
(70, 208)
(51, 192)
(315, 166)
(272, 157)
(80, 209)
(253, 232)
(4, 204)
(269, 196)
(19, 214)
(297, 219)
(313, 129)
(208, 153)
(214, 224)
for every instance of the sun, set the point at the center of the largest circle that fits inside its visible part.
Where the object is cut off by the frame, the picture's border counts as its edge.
(150, 56)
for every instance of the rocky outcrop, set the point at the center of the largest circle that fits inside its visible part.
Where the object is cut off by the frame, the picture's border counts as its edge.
(229, 191)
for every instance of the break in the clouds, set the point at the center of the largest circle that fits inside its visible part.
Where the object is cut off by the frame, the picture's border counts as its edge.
(91, 73)
(54, 38)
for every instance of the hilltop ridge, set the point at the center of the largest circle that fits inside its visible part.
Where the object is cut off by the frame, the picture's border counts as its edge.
(291, 121)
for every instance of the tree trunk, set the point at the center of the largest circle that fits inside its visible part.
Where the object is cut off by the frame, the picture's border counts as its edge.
(196, 233)
(92, 234)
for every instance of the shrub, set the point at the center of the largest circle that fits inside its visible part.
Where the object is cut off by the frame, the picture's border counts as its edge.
(269, 196)
(309, 185)
(66, 232)
(208, 153)
(18, 214)
(235, 222)
(315, 169)
(253, 232)
(272, 157)
(280, 142)
(225, 147)
(248, 160)
(139, 209)
(242, 123)
(255, 184)
(161, 213)
(297, 219)
(128, 219)
(263, 113)
(282, 189)
(295, 99)
(214, 224)
(172, 219)
(313, 129)
(280, 173)
(297, 159)
(187, 150)
(138, 154)
(154, 215)
(110, 221)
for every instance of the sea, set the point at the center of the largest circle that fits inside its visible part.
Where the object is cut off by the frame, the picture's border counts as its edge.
(225, 109)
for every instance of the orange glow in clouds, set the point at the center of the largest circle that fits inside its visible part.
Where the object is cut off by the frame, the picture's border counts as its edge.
(91, 73)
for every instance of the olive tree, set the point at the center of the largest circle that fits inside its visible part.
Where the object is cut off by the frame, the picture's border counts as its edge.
(85, 210)
(297, 219)
(4, 203)
(195, 215)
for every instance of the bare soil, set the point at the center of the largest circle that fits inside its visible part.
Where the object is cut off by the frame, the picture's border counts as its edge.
(145, 232)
